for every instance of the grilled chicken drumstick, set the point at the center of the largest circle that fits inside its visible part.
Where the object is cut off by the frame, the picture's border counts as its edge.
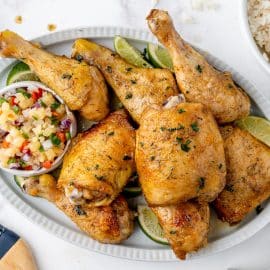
(81, 86)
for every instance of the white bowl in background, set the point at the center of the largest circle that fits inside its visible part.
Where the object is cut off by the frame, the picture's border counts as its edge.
(73, 128)
(251, 41)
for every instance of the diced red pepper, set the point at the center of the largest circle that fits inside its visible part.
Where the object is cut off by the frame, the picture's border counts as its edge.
(47, 164)
(35, 96)
(12, 101)
(40, 92)
(61, 136)
(23, 148)
(54, 113)
(28, 168)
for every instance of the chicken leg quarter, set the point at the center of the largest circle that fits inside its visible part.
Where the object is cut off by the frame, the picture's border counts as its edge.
(196, 78)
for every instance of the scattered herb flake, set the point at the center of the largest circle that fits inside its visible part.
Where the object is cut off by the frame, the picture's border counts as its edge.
(229, 187)
(25, 135)
(109, 69)
(230, 85)
(185, 146)
(41, 149)
(162, 128)
(181, 110)
(133, 81)
(129, 69)
(96, 166)
(220, 165)
(100, 178)
(172, 232)
(152, 158)
(2, 100)
(111, 133)
(128, 95)
(176, 128)
(141, 144)
(199, 68)
(79, 210)
(55, 105)
(79, 57)
(201, 182)
(66, 76)
(126, 157)
(195, 127)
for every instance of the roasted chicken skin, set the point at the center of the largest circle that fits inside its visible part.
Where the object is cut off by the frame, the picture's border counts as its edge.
(179, 155)
(107, 224)
(100, 162)
(137, 88)
(196, 78)
(81, 86)
(248, 175)
(185, 225)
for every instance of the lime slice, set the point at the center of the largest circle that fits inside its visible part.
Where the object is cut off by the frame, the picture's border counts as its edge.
(257, 126)
(129, 53)
(159, 56)
(150, 226)
(132, 192)
(21, 72)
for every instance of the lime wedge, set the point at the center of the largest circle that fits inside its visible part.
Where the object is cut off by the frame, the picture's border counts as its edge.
(159, 56)
(257, 126)
(129, 53)
(21, 72)
(149, 225)
(131, 192)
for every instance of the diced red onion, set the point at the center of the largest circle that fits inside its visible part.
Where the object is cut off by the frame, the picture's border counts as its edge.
(37, 105)
(65, 123)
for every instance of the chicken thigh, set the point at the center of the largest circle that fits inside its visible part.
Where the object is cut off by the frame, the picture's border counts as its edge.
(196, 78)
(185, 225)
(179, 155)
(81, 86)
(248, 175)
(100, 162)
(106, 224)
(137, 88)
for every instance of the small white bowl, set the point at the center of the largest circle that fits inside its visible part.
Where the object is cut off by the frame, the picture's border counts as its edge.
(254, 47)
(73, 129)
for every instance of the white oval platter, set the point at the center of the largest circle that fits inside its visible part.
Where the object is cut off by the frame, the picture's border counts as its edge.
(138, 246)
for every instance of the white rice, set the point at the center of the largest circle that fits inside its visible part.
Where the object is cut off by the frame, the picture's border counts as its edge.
(259, 21)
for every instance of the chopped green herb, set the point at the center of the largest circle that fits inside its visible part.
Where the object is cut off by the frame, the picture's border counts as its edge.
(176, 128)
(111, 133)
(43, 104)
(79, 57)
(66, 76)
(172, 232)
(168, 87)
(35, 117)
(23, 92)
(2, 100)
(195, 127)
(128, 69)
(152, 158)
(126, 157)
(162, 128)
(16, 109)
(141, 144)
(181, 110)
(185, 146)
(108, 69)
(100, 178)
(25, 135)
(41, 149)
(11, 160)
(79, 210)
(55, 140)
(68, 135)
(229, 187)
(220, 165)
(54, 120)
(230, 85)
(179, 140)
(55, 105)
(199, 68)
(96, 166)
(128, 95)
(133, 81)
(22, 163)
(201, 182)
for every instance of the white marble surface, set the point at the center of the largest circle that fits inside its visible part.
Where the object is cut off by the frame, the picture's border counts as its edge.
(218, 31)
